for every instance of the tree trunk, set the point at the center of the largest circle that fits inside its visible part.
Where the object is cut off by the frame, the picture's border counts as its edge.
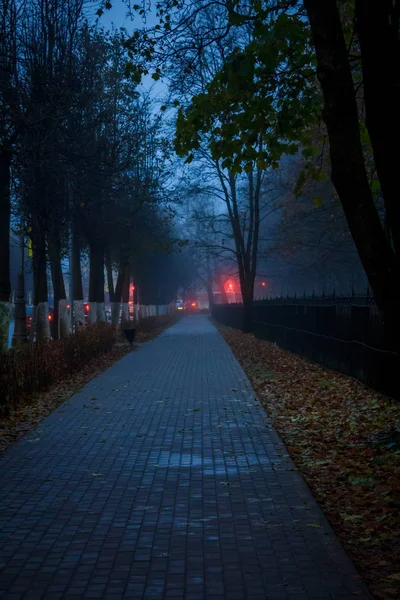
(5, 212)
(40, 291)
(101, 313)
(77, 283)
(348, 168)
(116, 304)
(60, 323)
(125, 320)
(210, 292)
(247, 316)
(4, 325)
(110, 280)
(379, 39)
(247, 295)
(122, 275)
(224, 296)
(96, 284)
(20, 336)
(32, 329)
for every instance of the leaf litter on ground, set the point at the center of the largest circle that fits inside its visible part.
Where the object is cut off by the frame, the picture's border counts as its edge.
(345, 439)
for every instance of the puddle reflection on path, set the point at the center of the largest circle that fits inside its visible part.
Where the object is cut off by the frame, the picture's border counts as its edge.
(227, 464)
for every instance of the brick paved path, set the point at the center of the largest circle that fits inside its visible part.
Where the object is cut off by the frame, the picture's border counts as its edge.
(163, 478)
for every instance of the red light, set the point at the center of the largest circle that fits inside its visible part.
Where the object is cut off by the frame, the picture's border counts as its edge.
(50, 317)
(263, 283)
(193, 304)
(68, 306)
(132, 287)
(230, 286)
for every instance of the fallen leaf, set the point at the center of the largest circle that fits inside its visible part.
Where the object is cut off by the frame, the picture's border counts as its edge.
(345, 440)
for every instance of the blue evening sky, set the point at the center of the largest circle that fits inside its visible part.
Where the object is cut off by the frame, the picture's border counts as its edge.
(118, 17)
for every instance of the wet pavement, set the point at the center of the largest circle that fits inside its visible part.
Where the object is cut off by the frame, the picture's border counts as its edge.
(163, 478)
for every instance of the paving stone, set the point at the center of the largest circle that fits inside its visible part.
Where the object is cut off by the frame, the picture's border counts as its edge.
(163, 478)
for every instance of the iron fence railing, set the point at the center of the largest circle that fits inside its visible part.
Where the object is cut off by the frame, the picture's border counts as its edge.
(351, 299)
(345, 334)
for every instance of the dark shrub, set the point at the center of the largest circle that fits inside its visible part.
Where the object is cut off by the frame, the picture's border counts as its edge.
(33, 369)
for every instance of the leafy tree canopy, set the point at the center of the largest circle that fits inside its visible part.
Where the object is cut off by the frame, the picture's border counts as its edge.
(265, 90)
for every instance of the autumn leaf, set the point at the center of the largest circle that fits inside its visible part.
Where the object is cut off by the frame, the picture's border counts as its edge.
(318, 201)
(360, 480)
(345, 440)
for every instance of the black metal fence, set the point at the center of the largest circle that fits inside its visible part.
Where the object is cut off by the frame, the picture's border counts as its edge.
(343, 334)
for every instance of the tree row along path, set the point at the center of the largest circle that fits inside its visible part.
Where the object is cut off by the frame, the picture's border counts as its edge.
(163, 478)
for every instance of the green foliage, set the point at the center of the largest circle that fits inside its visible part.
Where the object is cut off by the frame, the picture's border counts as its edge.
(310, 172)
(375, 186)
(318, 201)
(365, 139)
(310, 152)
(265, 91)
